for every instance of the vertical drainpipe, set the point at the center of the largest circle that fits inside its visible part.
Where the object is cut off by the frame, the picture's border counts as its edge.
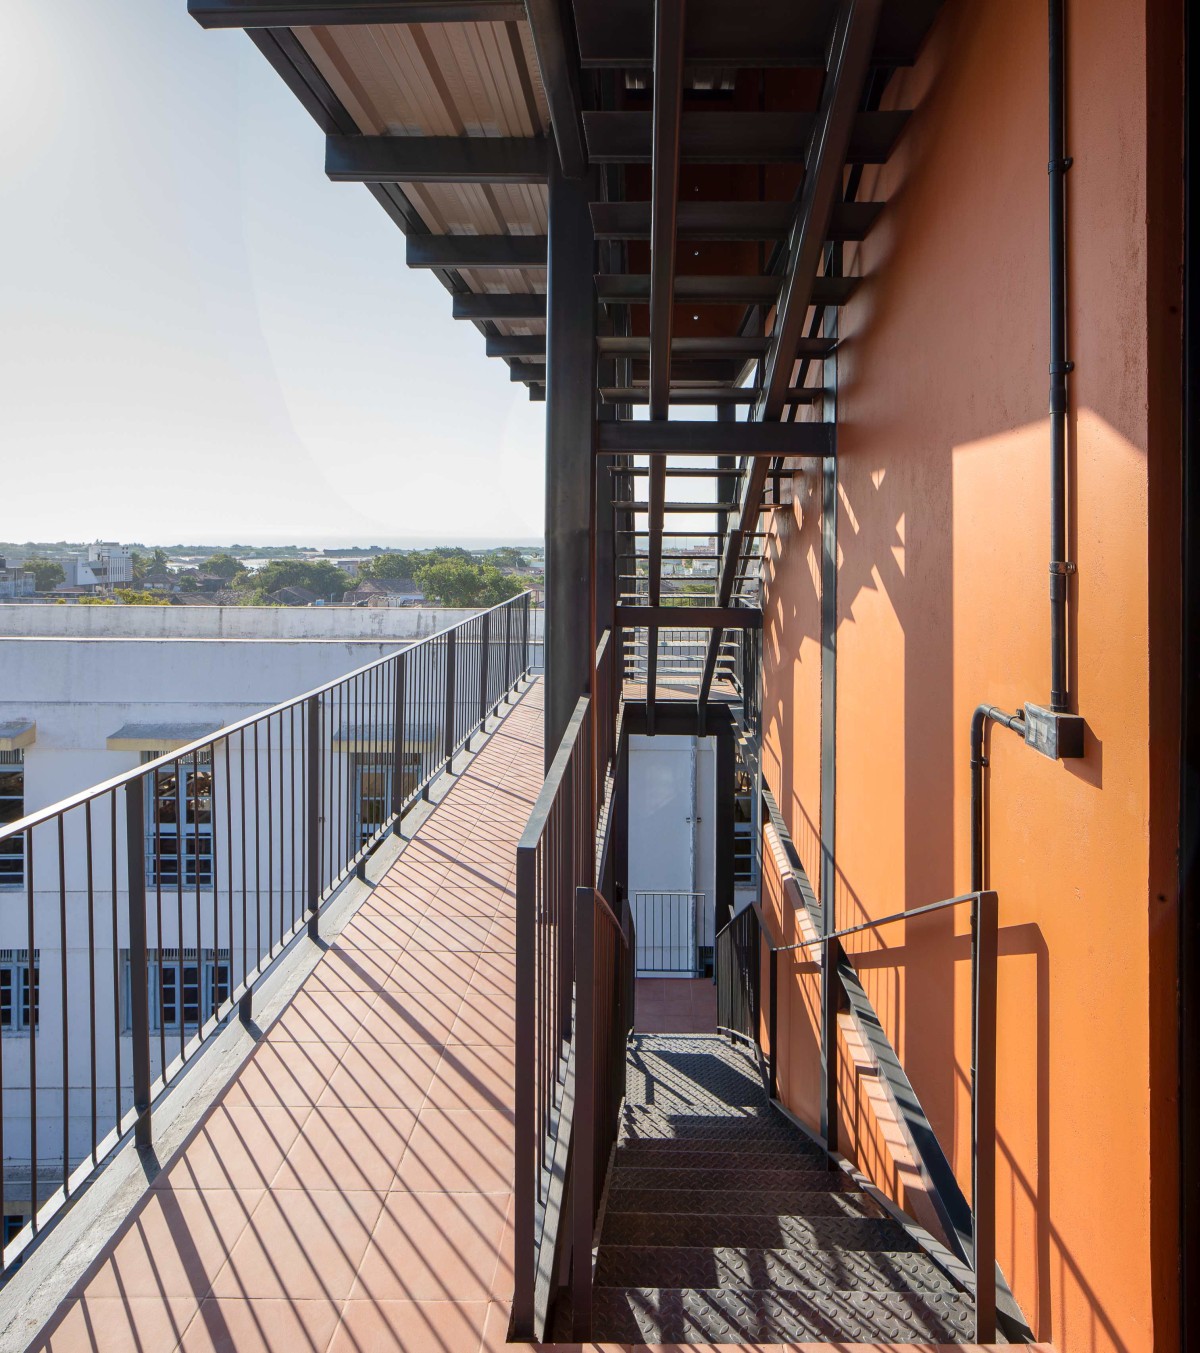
(1059, 163)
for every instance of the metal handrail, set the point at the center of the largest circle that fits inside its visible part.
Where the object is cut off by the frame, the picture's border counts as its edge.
(180, 882)
(984, 961)
(223, 733)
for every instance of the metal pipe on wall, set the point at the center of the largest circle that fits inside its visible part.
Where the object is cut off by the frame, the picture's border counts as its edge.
(1059, 163)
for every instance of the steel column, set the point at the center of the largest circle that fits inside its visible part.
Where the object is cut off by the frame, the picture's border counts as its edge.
(570, 430)
(985, 927)
(139, 989)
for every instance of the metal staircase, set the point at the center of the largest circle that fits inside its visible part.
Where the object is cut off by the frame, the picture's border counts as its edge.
(723, 1222)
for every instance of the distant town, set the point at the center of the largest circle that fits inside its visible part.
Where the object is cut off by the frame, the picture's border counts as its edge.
(115, 573)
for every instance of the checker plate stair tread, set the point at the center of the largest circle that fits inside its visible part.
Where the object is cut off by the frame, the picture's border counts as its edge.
(725, 1223)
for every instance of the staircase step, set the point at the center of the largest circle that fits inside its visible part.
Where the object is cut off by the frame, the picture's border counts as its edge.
(729, 1155)
(788, 1174)
(754, 1232)
(744, 1202)
(768, 1269)
(674, 1315)
(640, 1125)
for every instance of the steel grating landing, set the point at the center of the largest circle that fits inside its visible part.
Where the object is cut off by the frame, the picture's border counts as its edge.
(724, 1223)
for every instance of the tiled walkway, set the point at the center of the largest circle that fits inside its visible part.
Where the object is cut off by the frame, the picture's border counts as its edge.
(350, 1190)
(675, 1005)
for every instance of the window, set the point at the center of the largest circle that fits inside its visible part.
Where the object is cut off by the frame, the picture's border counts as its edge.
(13, 1222)
(373, 792)
(12, 809)
(179, 832)
(18, 984)
(190, 986)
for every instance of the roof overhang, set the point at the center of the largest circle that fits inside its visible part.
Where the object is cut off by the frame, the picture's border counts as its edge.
(16, 734)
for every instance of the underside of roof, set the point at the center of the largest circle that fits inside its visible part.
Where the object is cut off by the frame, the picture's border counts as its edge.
(723, 148)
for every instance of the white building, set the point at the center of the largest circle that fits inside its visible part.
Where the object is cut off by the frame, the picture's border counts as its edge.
(15, 582)
(105, 564)
(88, 693)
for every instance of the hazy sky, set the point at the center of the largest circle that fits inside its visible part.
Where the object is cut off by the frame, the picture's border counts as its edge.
(201, 338)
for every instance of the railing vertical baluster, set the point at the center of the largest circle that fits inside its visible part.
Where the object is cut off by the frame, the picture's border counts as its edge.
(312, 810)
(527, 1130)
(583, 1147)
(773, 1019)
(485, 639)
(985, 936)
(65, 1031)
(31, 990)
(139, 992)
(448, 712)
(398, 739)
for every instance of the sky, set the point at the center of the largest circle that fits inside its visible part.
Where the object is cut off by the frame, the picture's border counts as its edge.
(202, 339)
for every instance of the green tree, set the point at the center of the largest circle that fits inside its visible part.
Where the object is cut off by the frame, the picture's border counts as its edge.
(507, 556)
(130, 596)
(458, 582)
(46, 573)
(318, 575)
(222, 565)
(393, 564)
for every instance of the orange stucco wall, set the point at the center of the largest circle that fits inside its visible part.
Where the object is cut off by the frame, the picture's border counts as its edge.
(942, 603)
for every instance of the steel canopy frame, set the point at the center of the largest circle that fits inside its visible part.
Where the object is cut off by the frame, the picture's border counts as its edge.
(849, 63)
(664, 199)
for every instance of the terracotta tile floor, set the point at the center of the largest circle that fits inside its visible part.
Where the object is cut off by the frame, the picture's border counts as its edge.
(350, 1189)
(675, 1005)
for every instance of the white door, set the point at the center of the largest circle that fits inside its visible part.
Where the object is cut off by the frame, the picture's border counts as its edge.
(672, 858)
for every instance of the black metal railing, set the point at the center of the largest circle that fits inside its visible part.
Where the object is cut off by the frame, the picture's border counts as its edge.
(745, 947)
(670, 927)
(147, 907)
(569, 829)
(555, 856)
(739, 960)
(604, 974)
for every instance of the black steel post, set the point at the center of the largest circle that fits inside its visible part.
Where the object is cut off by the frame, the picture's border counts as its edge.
(312, 808)
(398, 740)
(583, 1145)
(527, 1138)
(828, 872)
(448, 729)
(139, 988)
(985, 934)
(773, 1017)
(570, 429)
(1060, 568)
(485, 645)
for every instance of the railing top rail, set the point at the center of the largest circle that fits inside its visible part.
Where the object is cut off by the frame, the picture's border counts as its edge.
(602, 646)
(92, 792)
(554, 776)
(606, 910)
(925, 910)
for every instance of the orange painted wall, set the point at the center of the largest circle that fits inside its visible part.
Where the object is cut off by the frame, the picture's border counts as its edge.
(942, 603)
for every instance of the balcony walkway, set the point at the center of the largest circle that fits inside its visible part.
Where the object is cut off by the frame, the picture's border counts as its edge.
(350, 1189)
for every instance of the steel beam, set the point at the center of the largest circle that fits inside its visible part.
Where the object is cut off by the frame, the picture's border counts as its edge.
(738, 137)
(714, 289)
(751, 440)
(850, 56)
(570, 430)
(531, 347)
(552, 25)
(500, 306)
(618, 34)
(476, 251)
(664, 125)
(690, 617)
(704, 395)
(768, 221)
(332, 13)
(436, 159)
